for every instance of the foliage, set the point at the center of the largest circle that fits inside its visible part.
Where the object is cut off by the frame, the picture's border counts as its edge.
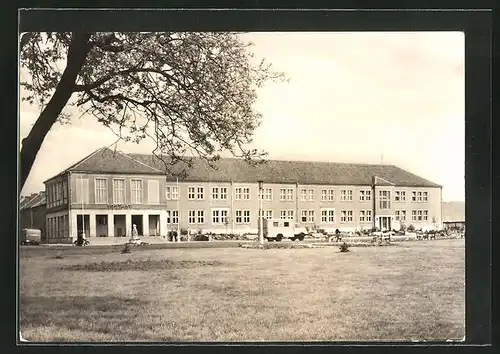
(411, 228)
(344, 247)
(402, 227)
(191, 93)
(127, 248)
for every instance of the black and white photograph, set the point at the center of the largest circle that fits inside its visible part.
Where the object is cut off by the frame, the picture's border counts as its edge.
(242, 186)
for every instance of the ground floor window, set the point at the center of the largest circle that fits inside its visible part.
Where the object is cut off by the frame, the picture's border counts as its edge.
(345, 216)
(328, 216)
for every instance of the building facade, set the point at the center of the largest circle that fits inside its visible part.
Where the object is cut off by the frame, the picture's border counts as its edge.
(108, 192)
(32, 211)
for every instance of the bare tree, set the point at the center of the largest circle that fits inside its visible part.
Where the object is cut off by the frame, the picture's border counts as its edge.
(191, 93)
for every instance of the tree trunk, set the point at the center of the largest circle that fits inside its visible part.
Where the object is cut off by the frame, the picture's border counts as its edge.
(77, 54)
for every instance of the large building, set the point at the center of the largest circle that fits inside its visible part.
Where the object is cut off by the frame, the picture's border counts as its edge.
(108, 192)
(32, 211)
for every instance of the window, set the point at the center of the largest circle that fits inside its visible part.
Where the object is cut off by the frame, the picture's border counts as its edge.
(154, 192)
(307, 194)
(365, 196)
(399, 196)
(200, 193)
(136, 191)
(346, 195)
(286, 194)
(282, 214)
(239, 216)
(385, 200)
(237, 193)
(172, 192)
(175, 216)
(413, 215)
(191, 193)
(324, 194)
(269, 214)
(246, 193)
(172, 216)
(365, 215)
(101, 193)
(307, 216)
(215, 193)
(345, 216)
(82, 191)
(201, 216)
(419, 215)
(328, 215)
(219, 193)
(425, 215)
(400, 215)
(65, 191)
(219, 216)
(290, 214)
(268, 194)
(192, 216)
(223, 193)
(303, 194)
(413, 196)
(419, 197)
(246, 216)
(425, 197)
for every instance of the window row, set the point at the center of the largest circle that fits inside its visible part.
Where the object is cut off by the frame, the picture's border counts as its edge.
(57, 194)
(57, 227)
(416, 215)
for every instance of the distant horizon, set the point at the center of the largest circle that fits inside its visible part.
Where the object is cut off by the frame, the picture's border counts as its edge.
(404, 102)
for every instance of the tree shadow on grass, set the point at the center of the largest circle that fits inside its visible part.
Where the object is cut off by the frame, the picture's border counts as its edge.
(113, 316)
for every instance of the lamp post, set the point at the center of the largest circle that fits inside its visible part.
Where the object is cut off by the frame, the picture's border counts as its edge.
(261, 216)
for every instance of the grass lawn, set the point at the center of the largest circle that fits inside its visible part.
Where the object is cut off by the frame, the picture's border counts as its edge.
(412, 290)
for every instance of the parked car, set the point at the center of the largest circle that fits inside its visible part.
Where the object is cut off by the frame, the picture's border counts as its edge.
(31, 237)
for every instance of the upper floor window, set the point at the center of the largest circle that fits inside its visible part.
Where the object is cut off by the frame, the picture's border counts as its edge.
(118, 191)
(425, 197)
(171, 192)
(365, 195)
(81, 192)
(286, 194)
(346, 195)
(101, 192)
(385, 200)
(399, 196)
(154, 192)
(196, 193)
(136, 191)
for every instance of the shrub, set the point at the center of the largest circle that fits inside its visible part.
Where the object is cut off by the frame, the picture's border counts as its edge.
(344, 247)
(402, 228)
(126, 249)
(59, 255)
(184, 232)
(375, 229)
(411, 228)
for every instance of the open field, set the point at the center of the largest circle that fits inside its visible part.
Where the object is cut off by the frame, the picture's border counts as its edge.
(412, 290)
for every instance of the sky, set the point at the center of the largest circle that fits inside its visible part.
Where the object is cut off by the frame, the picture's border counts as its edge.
(392, 98)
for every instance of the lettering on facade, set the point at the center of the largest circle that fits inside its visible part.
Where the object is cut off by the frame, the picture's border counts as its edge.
(119, 206)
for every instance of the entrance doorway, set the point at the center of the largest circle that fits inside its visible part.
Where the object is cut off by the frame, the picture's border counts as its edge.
(119, 225)
(154, 225)
(137, 221)
(385, 223)
(83, 224)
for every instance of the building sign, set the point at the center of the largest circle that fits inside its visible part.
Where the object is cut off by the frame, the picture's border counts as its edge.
(119, 206)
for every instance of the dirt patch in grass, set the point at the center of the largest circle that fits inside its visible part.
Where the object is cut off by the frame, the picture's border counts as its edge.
(139, 265)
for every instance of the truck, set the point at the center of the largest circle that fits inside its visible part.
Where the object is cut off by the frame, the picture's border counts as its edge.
(31, 236)
(278, 229)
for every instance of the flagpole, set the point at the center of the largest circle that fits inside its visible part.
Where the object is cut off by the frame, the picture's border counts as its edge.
(83, 208)
(178, 213)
